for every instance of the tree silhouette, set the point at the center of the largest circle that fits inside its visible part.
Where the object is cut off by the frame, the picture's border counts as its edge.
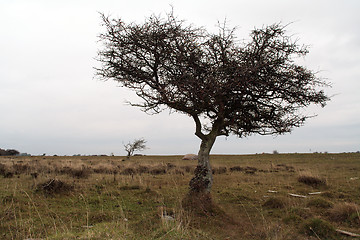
(227, 86)
(136, 145)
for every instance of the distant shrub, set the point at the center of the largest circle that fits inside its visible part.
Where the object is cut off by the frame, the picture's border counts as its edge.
(219, 170)
(102, 169)
(34, 175)
(5, 172)
(187, 169)
(3, 169)
(128, 171)
(170, 166)
(250, 170)
(80, 173)
(318, 228)
(9, 152)
(311, 180)
(8, 174)
(54, 186)
(142, 169)
(157, 171)
(236, 169)
(178, 171)
(21, 168)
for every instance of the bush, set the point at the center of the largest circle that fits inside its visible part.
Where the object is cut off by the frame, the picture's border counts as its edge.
(318, 228)
(128, 171)
(311, 180)
(142, 169)
(9, 152)
(21, 168)
(236, 169)
(3, 169)
(54, 186)
(158, 171)
(80, 173)
(188, 169)
(5, 172)
(219, 170)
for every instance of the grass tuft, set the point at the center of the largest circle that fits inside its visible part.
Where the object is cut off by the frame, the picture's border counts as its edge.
(319, 203)
(311, 180)
(274, 203)
(318, 228)
(54, 186)
(345, 212)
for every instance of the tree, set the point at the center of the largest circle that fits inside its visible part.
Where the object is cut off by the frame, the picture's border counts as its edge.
(9, 152)
(227, 86)
(136, 145)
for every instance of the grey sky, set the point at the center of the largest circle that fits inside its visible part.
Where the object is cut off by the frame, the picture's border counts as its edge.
(50, 103)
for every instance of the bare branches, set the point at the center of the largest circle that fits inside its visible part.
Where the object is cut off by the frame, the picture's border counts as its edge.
(136, 145)
(243, 89)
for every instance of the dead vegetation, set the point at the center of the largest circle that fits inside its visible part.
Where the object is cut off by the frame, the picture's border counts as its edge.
(311, 179)
(54, 186)
(345, 212)
(104, 197)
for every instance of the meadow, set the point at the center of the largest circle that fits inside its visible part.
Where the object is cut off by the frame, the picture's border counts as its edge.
(262, 196)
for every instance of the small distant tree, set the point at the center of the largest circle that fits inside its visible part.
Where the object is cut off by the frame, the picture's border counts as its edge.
(227, 86)
(136, 145)
(9, 152)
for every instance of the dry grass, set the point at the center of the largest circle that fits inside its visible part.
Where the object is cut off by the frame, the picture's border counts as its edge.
(311, 179)
(143, 198)
(345, 212)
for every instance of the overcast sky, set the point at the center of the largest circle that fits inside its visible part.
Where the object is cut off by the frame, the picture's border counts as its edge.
(50, 102)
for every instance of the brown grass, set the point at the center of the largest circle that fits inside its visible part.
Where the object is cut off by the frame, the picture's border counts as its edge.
(311, 179)
(54, 186)
(121, 199)
(342, 212)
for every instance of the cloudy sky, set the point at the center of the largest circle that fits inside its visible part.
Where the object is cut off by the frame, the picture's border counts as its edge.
(51, 103)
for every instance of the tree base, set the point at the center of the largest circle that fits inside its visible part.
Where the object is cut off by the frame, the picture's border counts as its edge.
(202, 181)
(199, 203)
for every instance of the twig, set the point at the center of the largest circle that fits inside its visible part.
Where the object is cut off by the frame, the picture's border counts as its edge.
(348, 233)
(315, 193)
(297, 195)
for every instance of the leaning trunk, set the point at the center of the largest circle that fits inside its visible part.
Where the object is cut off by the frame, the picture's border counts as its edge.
(202, 181)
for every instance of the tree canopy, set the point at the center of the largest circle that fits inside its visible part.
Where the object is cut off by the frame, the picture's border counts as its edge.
(254, 87)
(226, 85)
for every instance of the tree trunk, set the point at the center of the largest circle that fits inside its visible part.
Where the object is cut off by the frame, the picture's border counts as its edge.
(203, 179)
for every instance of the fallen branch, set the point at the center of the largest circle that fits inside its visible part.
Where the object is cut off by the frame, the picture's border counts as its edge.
(315, 193)
(348, 233)
(297, 195)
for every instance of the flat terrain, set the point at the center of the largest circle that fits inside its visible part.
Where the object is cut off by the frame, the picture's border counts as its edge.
(264, 196)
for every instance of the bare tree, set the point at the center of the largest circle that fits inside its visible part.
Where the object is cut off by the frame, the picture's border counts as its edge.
(227, 86)
(136, 145)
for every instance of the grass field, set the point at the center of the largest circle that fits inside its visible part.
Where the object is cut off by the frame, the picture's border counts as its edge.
(264, 196)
